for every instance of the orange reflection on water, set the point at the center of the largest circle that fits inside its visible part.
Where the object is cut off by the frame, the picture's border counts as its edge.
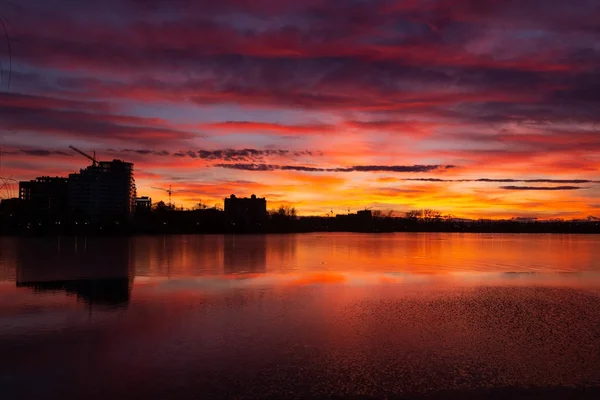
(25, 259)
(319, 277)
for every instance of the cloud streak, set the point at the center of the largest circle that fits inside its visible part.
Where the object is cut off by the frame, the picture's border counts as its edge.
(99, 126)
(501, 180)
(45, 153)
(247, 154)
(356, 168)
(266, 127)
(543, 188)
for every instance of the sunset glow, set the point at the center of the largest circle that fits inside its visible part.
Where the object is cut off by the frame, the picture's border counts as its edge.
(479, 109)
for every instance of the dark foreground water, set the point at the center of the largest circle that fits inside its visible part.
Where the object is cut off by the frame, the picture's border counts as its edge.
(301, 316)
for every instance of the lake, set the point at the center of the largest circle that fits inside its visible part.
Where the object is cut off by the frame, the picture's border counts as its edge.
(301, 316)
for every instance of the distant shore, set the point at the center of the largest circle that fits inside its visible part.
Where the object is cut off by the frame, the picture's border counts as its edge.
(297, 225)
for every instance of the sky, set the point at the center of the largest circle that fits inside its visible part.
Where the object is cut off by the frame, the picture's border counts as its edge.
(478, 109)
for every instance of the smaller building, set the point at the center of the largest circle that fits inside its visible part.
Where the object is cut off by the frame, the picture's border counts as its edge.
(364, 214)
(45, 196)
(248, 211)
(360, 215)
(143, 205)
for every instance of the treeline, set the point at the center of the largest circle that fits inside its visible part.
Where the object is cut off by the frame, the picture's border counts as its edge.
(164, 220)
(403, 224)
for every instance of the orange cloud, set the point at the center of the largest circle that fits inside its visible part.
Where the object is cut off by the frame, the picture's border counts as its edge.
(263, 127)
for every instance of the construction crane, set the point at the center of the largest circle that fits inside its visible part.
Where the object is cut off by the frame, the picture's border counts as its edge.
(8, 187)
(93, 159)
(165, 190)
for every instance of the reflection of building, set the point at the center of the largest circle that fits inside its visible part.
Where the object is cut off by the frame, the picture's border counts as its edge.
(92, 291)
(103, 191)
(97, 270)
(282, 251)
(246, 211)
(45, 196)
(245, 254)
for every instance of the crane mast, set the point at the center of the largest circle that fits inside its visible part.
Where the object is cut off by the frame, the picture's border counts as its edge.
(169, 191)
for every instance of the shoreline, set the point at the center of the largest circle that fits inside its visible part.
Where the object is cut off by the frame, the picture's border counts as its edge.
(266, 233)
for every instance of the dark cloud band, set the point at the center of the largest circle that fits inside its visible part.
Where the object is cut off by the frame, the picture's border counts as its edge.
(45, 153)
(549, 188)
(230, 155)
(356, 168)
(501, 180)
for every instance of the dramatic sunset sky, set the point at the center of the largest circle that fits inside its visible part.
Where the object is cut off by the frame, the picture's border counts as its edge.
(477, 108)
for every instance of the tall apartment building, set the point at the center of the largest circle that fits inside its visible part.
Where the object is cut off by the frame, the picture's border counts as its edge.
(103, 192)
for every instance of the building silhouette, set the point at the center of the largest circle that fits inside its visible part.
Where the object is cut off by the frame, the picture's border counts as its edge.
(361, 215)
(143, 205)
(45, 196)
(104, 191)
(364, 214)
(247, 212)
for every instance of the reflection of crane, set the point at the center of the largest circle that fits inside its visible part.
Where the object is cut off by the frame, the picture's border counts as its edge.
(165, 190)
(93, 159)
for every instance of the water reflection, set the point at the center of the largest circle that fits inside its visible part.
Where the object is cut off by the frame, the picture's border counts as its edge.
(178, 255)
(95, 271)
(269, 316)
(101, 270)
(245, 254)
(112, 292)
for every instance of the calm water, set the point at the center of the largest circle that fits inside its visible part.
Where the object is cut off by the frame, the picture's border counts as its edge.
(297, 316)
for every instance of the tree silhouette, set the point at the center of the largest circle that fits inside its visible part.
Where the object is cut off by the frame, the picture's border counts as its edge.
(415, 214)
(431, 215)
(200, 206)
(426, 215)
(161, 207)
